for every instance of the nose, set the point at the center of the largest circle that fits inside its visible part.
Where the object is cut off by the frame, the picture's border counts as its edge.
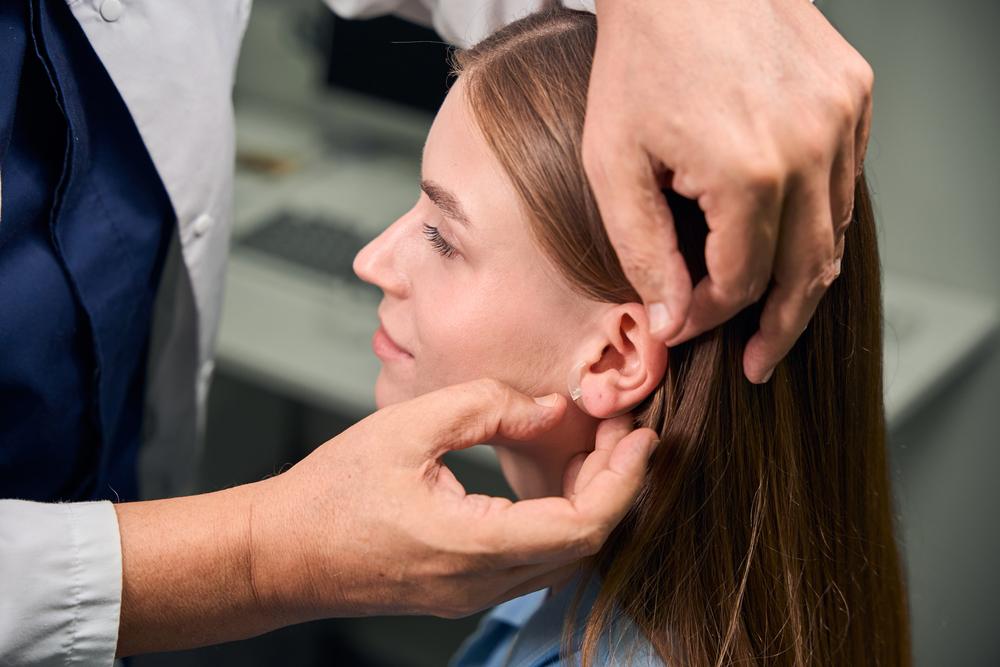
(377, 263)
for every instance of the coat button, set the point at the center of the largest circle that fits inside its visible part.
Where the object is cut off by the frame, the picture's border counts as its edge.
(111, 10)
(201, 225)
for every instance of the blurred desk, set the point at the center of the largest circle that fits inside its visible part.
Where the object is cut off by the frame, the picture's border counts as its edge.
(306, 334)
(931, 334)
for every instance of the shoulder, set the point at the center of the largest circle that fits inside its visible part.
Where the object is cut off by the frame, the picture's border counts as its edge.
(528, 632)
(624, 645)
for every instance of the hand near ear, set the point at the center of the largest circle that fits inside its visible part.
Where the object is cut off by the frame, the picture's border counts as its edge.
(585, 466)
(760, 111)
(370, 522)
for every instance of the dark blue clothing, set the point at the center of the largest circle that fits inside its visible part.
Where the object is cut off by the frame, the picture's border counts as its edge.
(85, 223)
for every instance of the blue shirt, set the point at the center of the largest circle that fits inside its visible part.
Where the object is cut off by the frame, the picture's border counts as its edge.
(84, 228)
(528, 632)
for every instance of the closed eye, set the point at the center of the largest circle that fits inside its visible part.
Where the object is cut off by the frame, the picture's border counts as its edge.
(438, 242)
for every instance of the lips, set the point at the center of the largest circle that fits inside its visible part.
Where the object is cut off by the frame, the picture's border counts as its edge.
(385, 347)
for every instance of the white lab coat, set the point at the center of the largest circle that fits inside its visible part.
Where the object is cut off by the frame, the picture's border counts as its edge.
(173, 63)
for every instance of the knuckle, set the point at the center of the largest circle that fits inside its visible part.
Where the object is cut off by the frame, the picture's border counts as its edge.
(490, 389)
(823, 279)
(498, 395)
(846, 107)
(864, 75)
(755, 289)
(739, 292)
(587, 543)
(593, 542)
(482, 400)
(814, 150)
(731, 299)
(814, 288)
(851, 100)
(764, 176)
(845, 221)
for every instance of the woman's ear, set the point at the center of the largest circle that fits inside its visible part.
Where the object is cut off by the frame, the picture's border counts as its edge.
(620, 365)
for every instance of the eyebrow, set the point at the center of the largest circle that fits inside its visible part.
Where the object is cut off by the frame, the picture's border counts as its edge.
(446, 201)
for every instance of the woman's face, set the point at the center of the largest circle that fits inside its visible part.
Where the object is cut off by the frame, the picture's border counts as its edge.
(467, 293)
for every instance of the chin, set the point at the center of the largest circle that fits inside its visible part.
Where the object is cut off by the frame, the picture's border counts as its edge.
(387, 393)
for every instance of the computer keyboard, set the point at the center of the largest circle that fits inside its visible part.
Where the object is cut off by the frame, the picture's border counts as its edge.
(314, 241)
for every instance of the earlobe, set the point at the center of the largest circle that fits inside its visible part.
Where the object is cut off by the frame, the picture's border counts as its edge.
(620, 366)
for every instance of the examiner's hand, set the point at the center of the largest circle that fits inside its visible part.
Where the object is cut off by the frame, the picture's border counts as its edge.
(758, 109)
(372, 522)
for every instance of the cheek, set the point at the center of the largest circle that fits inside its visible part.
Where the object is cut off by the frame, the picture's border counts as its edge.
(495, 330)
(455, 334)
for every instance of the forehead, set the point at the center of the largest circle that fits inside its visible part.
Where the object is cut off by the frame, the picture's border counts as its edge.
(457, 157)
(454, 135)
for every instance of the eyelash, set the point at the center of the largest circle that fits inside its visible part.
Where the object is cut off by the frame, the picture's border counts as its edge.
(441, 246)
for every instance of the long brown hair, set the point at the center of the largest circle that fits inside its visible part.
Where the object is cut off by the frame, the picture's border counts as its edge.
(764, 532)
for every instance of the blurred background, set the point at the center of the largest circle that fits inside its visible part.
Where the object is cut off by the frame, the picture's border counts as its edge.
(331, 118)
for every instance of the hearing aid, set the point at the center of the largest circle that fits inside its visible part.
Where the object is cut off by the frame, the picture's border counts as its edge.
(576, 391)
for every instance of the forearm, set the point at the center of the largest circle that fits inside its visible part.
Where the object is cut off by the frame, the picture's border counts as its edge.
(186, 572)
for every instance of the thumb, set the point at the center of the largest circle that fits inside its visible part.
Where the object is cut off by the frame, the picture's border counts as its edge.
(468, 414)
(640, 226)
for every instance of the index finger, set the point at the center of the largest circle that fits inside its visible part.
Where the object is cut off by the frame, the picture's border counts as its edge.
(558, 530)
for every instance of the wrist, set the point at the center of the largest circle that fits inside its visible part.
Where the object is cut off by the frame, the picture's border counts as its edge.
(279, 567)
(184, 572)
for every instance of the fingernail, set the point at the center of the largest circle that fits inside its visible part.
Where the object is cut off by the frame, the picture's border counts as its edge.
(767, 376)
(659, 317)
(547, 401)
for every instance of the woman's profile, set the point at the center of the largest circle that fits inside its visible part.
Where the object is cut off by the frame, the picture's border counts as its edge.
(764, 533)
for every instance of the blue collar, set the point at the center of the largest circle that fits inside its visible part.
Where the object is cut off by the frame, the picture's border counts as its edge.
(528, 632)
(518, 611)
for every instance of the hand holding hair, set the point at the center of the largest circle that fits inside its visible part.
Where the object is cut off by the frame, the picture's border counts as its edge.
(371, 522)
(759, 110)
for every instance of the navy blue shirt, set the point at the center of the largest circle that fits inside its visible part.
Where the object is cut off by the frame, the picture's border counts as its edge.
(85, 223)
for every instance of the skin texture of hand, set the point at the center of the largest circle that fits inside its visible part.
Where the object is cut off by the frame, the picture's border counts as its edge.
(371, 522)
(757, 109)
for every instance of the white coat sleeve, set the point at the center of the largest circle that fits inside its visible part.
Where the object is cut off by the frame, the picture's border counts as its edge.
(460, 22)
(60, 583)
